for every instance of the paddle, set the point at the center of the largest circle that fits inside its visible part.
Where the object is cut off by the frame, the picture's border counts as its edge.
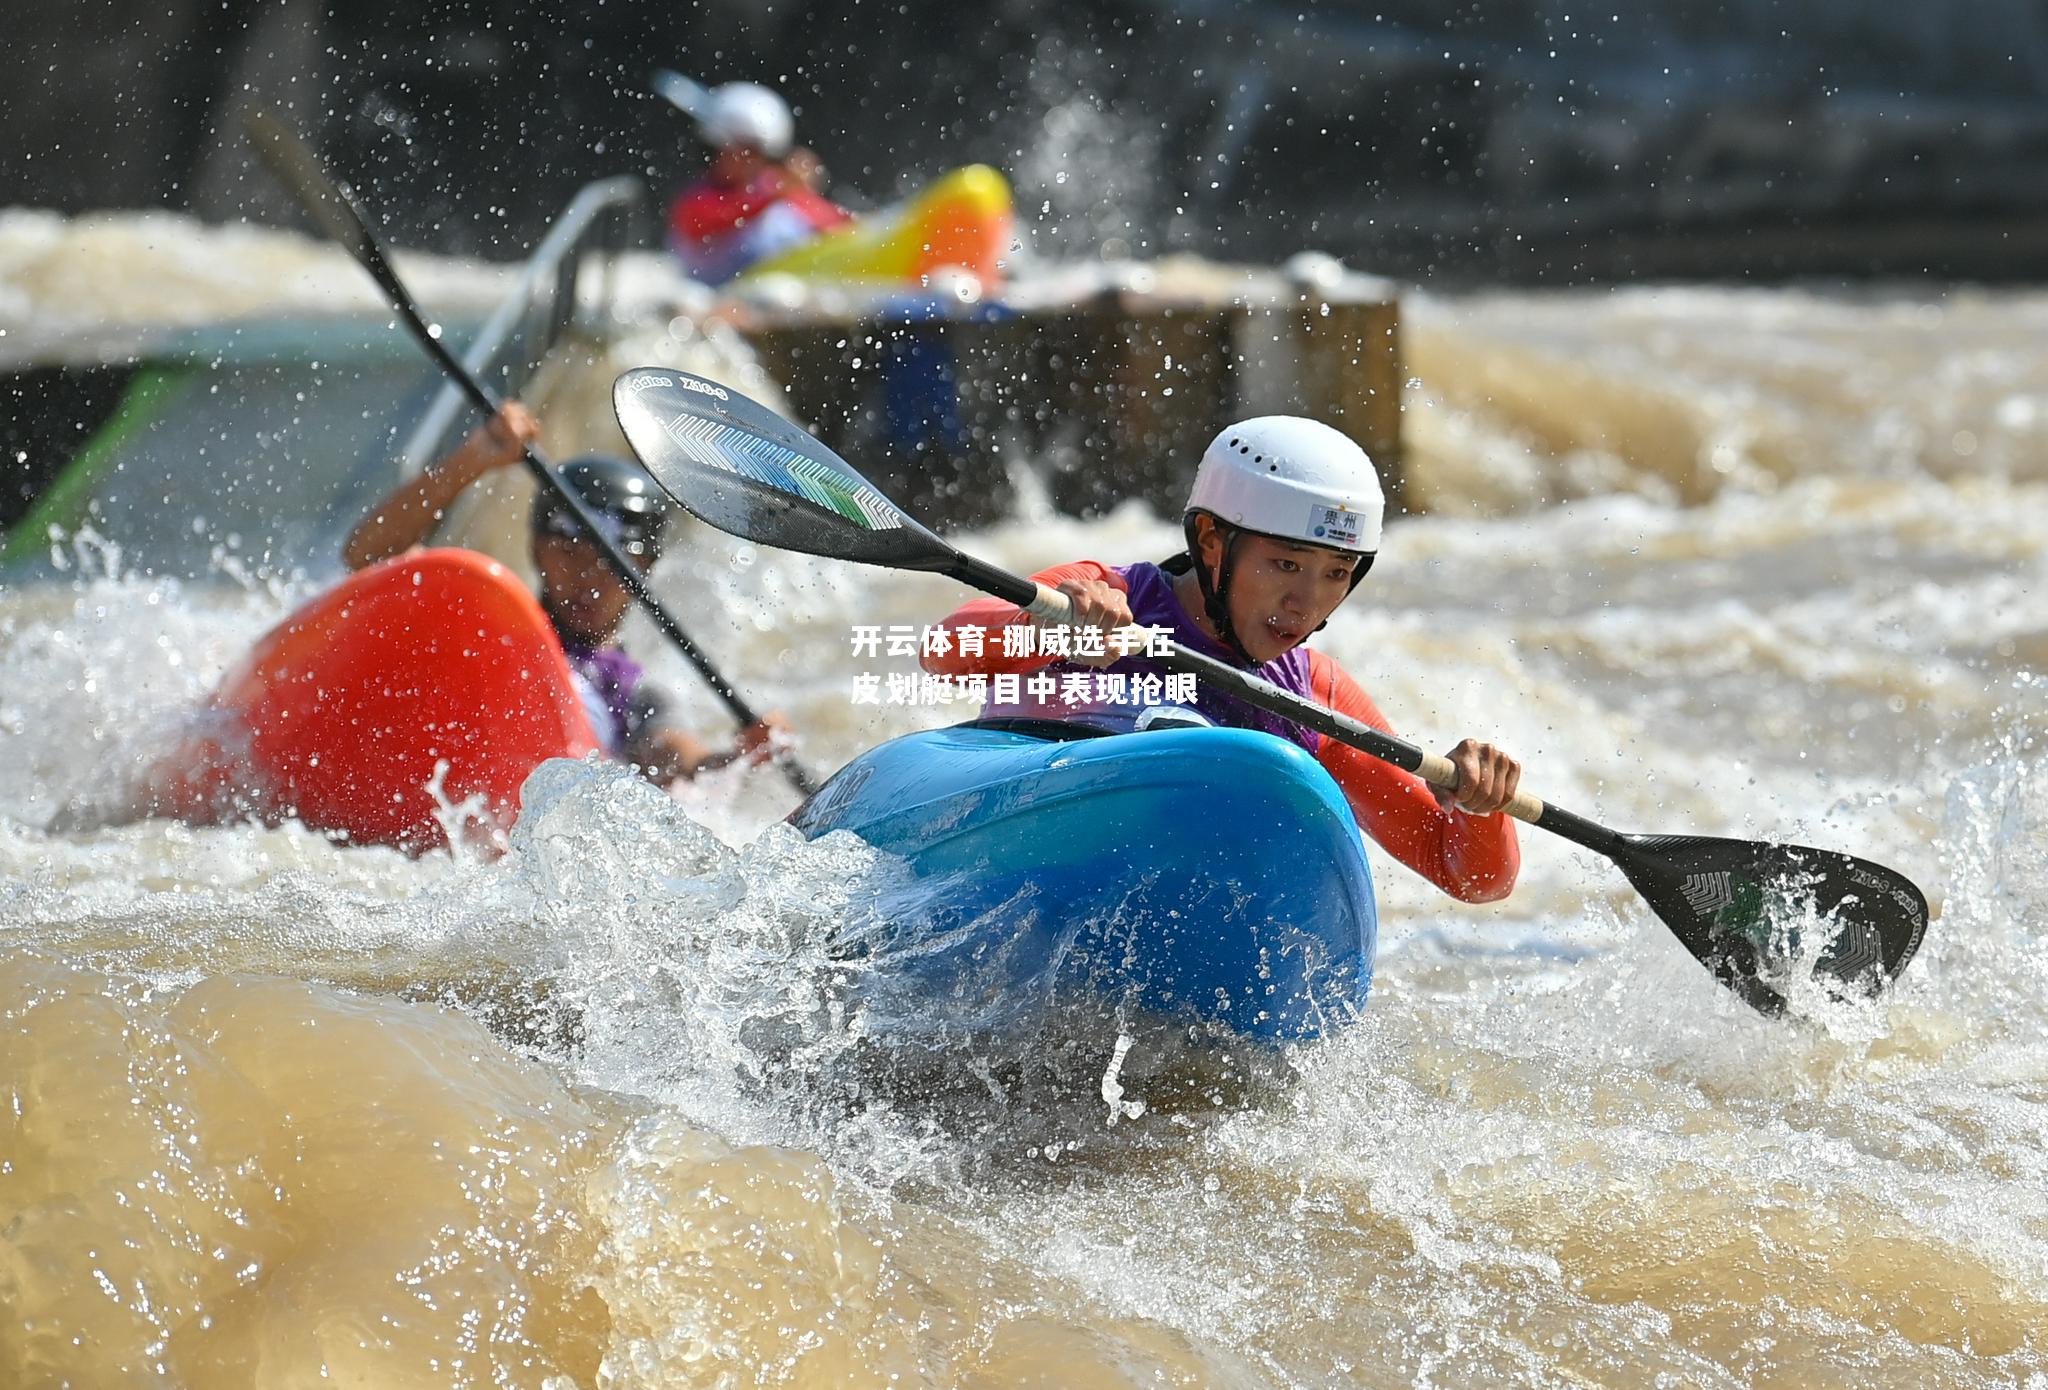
(332, 204)
(691, 98)
(1736, 905)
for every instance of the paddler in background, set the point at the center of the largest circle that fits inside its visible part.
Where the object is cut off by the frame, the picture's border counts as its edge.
(760, 197)
(1282, 524)
(632, 716)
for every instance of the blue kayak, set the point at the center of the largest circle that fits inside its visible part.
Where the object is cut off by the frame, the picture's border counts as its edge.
(1203, 875)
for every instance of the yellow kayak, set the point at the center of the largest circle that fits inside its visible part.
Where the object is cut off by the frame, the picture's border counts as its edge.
(964, 220)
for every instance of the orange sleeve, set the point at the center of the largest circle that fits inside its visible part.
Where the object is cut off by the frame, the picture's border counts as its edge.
(1473, 858)
(991, 615)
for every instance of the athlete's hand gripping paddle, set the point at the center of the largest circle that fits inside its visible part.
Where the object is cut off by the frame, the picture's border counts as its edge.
(333, 206)
(1734, 904)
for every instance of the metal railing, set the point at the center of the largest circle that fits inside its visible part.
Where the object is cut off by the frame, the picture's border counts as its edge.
(603, 220)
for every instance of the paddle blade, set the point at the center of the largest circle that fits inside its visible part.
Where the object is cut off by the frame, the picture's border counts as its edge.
(741, 467)
(686, 96)
(1758, 915)
(325, 199)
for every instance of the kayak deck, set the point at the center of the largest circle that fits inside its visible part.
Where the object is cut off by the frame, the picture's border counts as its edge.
(424, 681)
(1203, 874)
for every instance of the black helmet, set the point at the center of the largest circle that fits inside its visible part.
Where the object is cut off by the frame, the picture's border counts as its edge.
(632, 510)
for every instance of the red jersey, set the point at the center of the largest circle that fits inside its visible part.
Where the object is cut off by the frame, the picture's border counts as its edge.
(718, 230)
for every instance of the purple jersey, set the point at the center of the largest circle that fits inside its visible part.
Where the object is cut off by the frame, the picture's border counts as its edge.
(1153, 604)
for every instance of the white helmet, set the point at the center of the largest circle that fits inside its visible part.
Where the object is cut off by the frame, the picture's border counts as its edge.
(746, 113)
(1281, 475)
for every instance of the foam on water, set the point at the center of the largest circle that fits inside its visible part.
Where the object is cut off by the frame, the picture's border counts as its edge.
(67, 283)
(1679, 393)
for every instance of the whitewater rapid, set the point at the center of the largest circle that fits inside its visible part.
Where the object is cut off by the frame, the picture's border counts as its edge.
(1760, 563)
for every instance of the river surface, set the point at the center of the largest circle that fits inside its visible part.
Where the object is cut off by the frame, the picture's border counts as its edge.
(1761, 563)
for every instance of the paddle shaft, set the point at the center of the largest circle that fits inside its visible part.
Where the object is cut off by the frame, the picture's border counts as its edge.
(340, 215)
(1435, 769)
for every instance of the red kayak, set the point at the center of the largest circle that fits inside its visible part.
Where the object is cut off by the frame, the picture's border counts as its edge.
(433, 671)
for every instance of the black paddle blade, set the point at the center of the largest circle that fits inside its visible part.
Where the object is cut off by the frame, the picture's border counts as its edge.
(326, 200)
(1741, 907)
(739, 466)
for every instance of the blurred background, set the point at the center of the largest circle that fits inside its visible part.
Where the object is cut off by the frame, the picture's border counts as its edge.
(1519, 140)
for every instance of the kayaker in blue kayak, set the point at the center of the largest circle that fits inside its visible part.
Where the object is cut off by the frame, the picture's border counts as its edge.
(633, 716)
(1283, 522)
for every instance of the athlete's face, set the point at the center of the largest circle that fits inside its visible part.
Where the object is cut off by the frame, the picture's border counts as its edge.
(583, 598)
(1280, 591)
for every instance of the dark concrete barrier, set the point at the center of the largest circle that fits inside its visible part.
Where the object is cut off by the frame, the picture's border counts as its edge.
(1107, 398)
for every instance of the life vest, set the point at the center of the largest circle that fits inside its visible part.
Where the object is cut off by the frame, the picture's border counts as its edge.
(717, 230)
